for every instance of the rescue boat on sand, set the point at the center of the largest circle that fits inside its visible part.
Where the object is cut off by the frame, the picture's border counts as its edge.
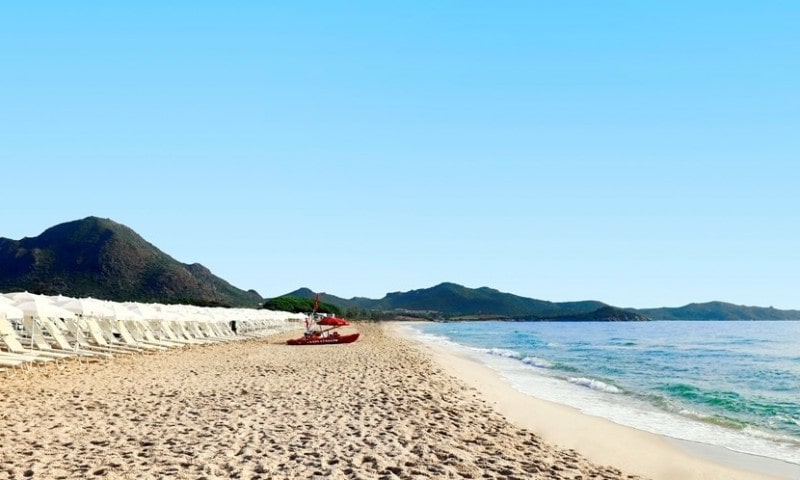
(317, 335)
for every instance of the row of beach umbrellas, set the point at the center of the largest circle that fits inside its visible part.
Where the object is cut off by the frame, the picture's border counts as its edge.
(69, 324)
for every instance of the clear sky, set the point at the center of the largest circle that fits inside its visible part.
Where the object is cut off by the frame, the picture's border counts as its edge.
(638, 153)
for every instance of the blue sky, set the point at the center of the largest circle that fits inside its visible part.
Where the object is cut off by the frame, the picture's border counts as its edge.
(638, 153)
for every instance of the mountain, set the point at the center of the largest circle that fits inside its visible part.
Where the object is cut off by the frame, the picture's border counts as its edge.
(718, 311)
(456, 302)
(450, 300)
(100, 258)
(603, 314)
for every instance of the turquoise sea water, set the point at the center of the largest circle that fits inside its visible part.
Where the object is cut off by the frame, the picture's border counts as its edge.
(731, 384)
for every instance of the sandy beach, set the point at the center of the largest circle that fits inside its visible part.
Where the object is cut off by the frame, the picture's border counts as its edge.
(381, 408)
(602, 441)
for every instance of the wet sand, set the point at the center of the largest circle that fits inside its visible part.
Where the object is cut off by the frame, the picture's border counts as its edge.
(602, 441)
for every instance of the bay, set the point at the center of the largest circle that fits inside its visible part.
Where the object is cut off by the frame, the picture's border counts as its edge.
(729, 384)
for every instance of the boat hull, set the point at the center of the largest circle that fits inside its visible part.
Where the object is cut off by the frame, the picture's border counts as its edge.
(328, 340)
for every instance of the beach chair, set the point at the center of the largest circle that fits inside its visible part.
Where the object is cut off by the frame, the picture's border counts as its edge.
(37, 339)
(124, 327)
(224, 328)
(114, 337)
(206, 332)
(10, 361)
(196, 329)
(100, 337)
(79, 330)
(142, 333)
(12, 342)
(179, 327)
(164, 332)
(221, 330)
(63, 344)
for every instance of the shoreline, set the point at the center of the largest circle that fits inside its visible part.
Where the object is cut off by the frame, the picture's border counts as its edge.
(636, 451)
(383, 407)
(380, 408)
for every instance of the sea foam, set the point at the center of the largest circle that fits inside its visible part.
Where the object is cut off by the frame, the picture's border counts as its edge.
(594, 384)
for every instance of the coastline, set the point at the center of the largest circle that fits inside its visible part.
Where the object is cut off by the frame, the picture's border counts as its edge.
(600, 440)
(378, 408)
(383, 407)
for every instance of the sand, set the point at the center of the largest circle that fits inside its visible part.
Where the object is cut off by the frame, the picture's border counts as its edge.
(603, 441)
(379, 408)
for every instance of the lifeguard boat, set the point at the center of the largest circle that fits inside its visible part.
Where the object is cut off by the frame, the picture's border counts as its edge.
(317, 335)
(317, 338)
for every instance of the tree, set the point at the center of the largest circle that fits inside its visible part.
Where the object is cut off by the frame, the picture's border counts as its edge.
(288, 303)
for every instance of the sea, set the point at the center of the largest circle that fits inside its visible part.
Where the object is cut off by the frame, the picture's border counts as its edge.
(732, 384)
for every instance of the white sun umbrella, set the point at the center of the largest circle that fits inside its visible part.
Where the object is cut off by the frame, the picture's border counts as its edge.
(87, 307)
(124, 312)
(11, 312)
(19, 297)
(58, 298)
(145, 310)
(6, 301)
(42, 308)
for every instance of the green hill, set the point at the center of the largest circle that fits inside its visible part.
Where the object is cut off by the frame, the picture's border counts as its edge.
(456, 302)
(603, 314)
(719, 311)
(103, 259)
(450, 300)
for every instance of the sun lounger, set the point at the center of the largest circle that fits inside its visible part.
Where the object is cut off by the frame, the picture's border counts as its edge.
(179, 327)
(116, 336)
(11, 341)
(40, 342)
(204, 331)
(9, 361)
(131, 340)
(79, 332)
(152, 335)
(113, 336)
(194, 329)
(105, 337)
(161, 329)
(63, 344)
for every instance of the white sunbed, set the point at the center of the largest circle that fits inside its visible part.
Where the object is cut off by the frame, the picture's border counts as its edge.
(12, 342)
(79, 330)
(38, 340)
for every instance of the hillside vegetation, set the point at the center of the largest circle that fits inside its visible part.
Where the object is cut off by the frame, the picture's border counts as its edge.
(289, 303)
(453, 301)
(100, 258)
(719, 311)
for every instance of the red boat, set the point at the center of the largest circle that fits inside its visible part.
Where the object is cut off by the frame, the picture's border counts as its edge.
(317, 338)
(333, 322)
(322, 336)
